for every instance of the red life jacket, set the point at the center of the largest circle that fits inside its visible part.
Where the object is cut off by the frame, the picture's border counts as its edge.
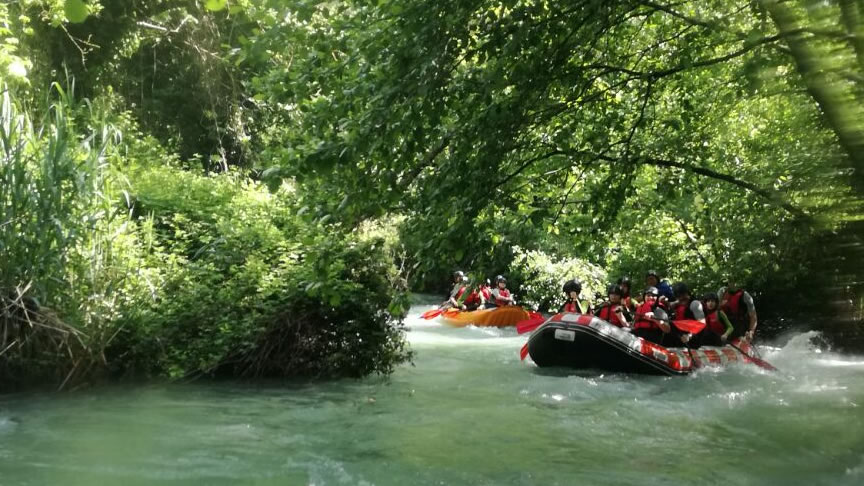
(459, 293)
(607, 314)
(733, 308)
(503, 293)
(472, 299)
(575, 307)
(487, 294)
(682, 311)
(640, 323)
(712, 320)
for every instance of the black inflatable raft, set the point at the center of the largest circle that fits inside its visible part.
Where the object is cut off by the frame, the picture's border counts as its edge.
(582, 341)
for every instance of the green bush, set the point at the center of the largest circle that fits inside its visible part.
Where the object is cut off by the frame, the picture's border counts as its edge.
(116, 263)
(252, 289)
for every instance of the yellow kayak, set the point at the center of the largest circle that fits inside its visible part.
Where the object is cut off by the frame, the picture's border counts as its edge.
(497, 317)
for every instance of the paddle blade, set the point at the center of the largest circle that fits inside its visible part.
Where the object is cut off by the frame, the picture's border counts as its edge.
(689, 325)
(763, 364)
(530, 324)
(432, 314)
(452, 313)
(523, 352)
(753, 359)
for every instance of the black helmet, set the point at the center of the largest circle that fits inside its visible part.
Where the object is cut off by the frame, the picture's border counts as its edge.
(710, 296)
(488, 283)
(651, 291)
(652, 273)
(572, 286)
(500, 278)
(625, 280)
(680, 289)
(614, 289)
(458, 275)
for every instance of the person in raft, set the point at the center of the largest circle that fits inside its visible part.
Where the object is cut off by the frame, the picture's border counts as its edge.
(651, 321)
(474, 300)
(738, 305)
(626, 299)
(684, 307)
(573, 289)
(485, 291)
(613, 311)
(652, 279)
(501, 294)
(459, 292)
(718, 328)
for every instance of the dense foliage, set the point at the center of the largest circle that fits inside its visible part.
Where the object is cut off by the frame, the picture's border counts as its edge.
(114, 265)
(703, 139)
(637, 135)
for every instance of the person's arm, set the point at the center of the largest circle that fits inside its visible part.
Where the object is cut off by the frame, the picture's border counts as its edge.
(698, 311)
(751, 313)
(662, 320)
(728, 325)
(622, 316)
(454, 291)
(626, 312)
(459, 303)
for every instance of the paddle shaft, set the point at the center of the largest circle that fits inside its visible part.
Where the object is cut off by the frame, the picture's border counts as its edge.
(757, 361)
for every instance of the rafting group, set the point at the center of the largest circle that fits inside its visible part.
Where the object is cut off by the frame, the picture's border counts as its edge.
(662, 310)
(662, 329)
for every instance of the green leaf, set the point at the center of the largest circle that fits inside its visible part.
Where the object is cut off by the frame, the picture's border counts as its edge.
(76, 11)
(215, 5)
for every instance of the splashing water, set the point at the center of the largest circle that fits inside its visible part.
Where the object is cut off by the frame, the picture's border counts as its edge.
(468, 412)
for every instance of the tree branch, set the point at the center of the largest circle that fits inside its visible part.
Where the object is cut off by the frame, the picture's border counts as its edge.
(427, 160)
(693, 241)
(773, 196)
(683, 67)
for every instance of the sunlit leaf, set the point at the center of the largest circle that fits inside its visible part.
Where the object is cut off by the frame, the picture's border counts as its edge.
(215, 5)
(76, 11)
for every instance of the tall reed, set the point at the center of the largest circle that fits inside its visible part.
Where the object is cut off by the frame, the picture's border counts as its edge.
(54, 203)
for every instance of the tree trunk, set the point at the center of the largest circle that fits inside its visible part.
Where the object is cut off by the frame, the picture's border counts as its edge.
(840, 107)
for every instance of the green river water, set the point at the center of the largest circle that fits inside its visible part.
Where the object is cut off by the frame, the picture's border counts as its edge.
(467, 413)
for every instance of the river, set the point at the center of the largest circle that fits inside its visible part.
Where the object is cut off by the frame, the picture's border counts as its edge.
(468, 412)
